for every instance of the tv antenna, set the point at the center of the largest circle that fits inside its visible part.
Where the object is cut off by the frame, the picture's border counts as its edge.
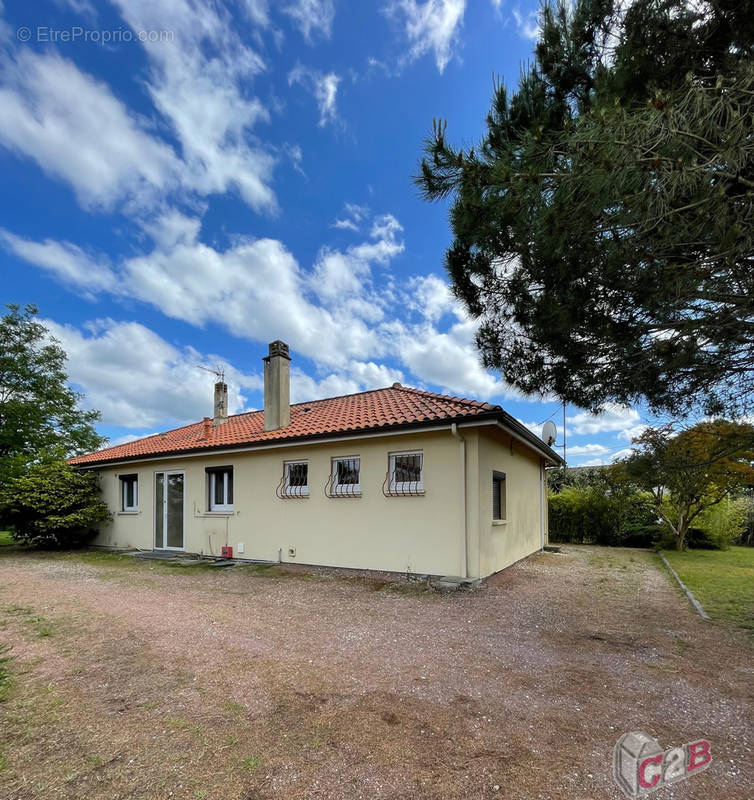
(218, 371)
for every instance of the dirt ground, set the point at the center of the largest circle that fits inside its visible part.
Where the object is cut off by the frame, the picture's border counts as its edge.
(133, 680)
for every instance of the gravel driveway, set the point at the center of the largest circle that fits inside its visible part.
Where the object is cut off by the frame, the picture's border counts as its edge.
(135, 680)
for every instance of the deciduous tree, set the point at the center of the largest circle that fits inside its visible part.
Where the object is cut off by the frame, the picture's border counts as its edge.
(40, 415)
(692, 471)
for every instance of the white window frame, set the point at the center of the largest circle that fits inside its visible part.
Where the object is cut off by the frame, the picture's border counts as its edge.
(295, 491)
(345, 489)
(407, 487)
(213, 506)
(124, 481)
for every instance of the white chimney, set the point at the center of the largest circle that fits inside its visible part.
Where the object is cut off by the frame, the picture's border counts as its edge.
(221, 403)
(277, 387)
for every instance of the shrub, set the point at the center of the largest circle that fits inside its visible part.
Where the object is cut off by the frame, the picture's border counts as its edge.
(720, 525)
(52, 505)
(595, 515)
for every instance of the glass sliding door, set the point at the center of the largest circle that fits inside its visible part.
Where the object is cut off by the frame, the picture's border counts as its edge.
(168, 510)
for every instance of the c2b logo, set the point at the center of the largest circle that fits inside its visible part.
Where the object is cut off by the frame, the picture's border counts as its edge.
(640, 766)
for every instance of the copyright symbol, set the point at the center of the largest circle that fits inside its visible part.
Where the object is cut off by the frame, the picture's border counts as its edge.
(23, 34)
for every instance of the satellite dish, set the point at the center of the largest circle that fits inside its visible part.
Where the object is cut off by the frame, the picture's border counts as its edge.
(549, 433)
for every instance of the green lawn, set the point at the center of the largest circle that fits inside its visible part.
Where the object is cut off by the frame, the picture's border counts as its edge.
(721, 580)
(5, 540)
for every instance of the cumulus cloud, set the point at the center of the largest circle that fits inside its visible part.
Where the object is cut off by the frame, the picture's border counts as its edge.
(199, 82)
(137, 379)
(433, 26)
(614, 417)
(340, 313)
(250, 288)
(72, 126)
(312, 17)
(66, 261)
(77, 131)
(588, 450)
(324, 88)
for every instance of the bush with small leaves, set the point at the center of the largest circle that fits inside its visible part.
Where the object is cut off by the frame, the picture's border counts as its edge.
(52, 506)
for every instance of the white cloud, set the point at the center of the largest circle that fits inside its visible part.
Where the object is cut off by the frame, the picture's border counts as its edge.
(605, 460)
(588, 450)
(312, 17)
(614, 417)
(83, 7)
(527, 23)
(385, 244)
(77, 131)
(252, 288)
(257, 11)
(446, 359)
(620, 454)
(358, 377)
(338, 313)
(137, 379)
(352, 217)
(431, 26)
(633, 432)
(324, 87)
(200, 83)
(67, 262)
(296, 156)
(432, 298)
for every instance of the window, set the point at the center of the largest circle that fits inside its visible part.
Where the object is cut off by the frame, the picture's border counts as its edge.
(296, 479)
(344, 478)
(220, 485)
(129, 492)
(498, 496)
(405, 474)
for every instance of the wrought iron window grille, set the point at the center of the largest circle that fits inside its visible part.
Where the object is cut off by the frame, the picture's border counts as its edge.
(405, 476)
(345, 478)
(294, 484)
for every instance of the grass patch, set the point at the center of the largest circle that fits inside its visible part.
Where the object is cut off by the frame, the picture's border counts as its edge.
(251, 763)
(101, 558)
(5, 678)
(721, 580)
(9, 545)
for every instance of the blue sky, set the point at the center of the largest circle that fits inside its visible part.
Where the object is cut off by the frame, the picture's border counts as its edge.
(185, 181)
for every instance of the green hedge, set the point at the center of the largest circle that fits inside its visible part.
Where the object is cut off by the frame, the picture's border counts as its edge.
(590, 515)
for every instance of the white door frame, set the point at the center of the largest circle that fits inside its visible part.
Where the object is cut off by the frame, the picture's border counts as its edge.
(165, 473)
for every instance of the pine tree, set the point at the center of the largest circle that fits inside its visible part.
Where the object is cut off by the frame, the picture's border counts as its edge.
(604, 226)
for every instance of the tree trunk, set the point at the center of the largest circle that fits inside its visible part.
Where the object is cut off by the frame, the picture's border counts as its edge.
(680, 533)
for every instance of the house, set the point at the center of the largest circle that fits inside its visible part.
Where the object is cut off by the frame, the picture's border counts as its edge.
(391, 479)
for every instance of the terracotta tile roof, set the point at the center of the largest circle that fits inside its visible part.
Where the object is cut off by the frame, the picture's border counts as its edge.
(395, 406)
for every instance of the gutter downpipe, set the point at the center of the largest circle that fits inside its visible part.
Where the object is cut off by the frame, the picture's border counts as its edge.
(465, 526)
(542, 501)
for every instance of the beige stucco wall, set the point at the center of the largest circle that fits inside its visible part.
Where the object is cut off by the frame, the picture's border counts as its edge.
(521, 534)
(377, 532)
(420, 534)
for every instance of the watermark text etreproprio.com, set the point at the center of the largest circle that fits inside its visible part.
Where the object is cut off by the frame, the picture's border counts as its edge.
(77, 33)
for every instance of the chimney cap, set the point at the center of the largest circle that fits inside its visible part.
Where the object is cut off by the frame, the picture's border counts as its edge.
(278, 348)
